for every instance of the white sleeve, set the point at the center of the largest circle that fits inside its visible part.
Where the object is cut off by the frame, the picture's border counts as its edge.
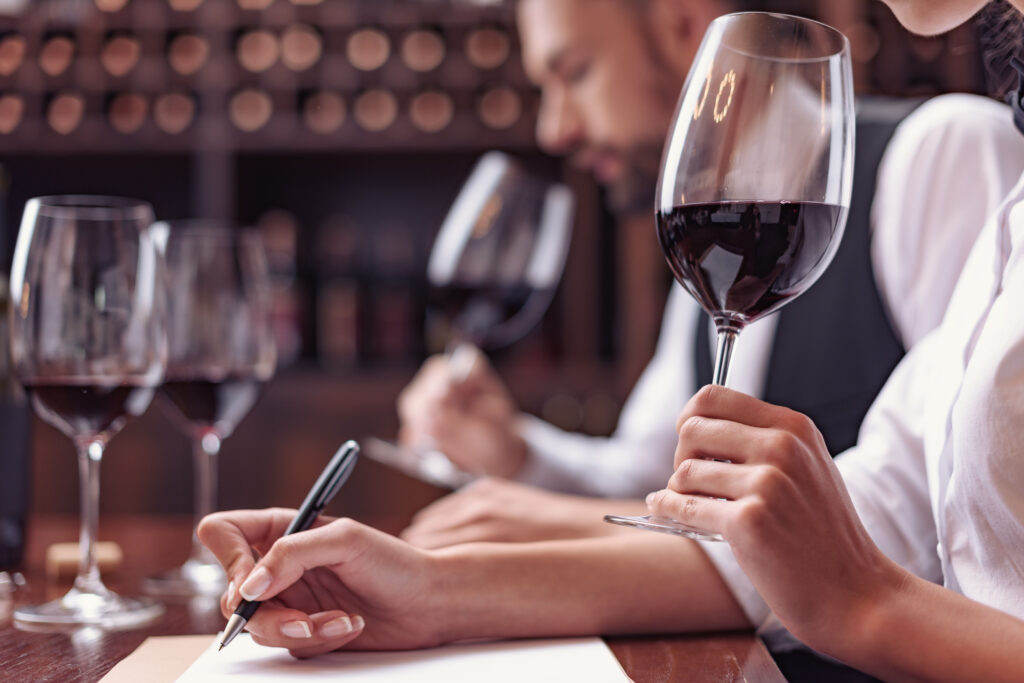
(948, 166)
(637, 458)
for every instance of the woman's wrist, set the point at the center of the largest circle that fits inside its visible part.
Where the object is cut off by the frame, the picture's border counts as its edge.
(878, 607)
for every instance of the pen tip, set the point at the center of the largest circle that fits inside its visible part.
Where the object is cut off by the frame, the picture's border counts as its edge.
(221, 647)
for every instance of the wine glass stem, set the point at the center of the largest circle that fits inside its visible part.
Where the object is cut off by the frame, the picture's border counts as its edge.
(205, 449)
(723, 357)
(90, 453)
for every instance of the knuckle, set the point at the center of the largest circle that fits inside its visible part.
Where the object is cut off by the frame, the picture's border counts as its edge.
(751, 514)
(780, 445)
(689, 508)
(769, 481)
(691, 428)
(685, 472)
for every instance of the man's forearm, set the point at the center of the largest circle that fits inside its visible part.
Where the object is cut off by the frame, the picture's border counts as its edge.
(621, 584)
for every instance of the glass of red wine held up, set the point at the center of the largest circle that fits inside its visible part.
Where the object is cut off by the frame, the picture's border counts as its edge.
(87, 341)
(493, 271)
(220, 352)
(756, 176)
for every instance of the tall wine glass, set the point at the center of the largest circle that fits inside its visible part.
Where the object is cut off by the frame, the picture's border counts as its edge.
(756, 176)
(220, 352)
(88, 343)
(492, 273)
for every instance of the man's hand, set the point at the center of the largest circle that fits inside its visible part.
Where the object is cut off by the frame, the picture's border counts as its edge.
(323, 588)
(499, 510)
(472, 419)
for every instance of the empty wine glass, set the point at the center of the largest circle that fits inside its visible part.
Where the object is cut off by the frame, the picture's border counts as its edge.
(220, 351)
(88, 344)
(492, 273)
(756, 176)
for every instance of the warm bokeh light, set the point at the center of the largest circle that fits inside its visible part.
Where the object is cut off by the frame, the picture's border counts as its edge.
(368, 49)
(487, 48)
(431, 111)
(65, 112)
(301, 47)
(375, 110)
(12, 52)
(110, 5)
(188, 53)
(500, 108)
(258, 50)
(184, 5)
(173, 112)
(11, 109)
(127, 112)
(56, 55)
(324, 112)
(250, 110)
(120, 54)
(423, 50)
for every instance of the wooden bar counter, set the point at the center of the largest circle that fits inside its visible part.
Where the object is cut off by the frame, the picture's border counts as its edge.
(152, 544)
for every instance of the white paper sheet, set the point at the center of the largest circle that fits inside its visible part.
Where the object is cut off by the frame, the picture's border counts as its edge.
(575, 659)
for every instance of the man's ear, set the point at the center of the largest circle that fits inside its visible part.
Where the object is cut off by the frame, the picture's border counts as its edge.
(677, 27)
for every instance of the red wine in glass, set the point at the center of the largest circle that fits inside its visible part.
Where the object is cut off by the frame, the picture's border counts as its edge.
(746, 259)
(204, 402)
(78, 405)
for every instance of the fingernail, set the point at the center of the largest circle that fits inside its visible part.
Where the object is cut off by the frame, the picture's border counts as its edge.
(256, 584)
(232, 589)
(336, 627)
(358, 623)
(296, 629)
(650, 497)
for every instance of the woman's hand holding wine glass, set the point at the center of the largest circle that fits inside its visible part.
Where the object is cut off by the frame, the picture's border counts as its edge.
(756, 178)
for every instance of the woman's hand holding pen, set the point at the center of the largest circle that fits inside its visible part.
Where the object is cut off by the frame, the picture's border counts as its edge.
(325, 587)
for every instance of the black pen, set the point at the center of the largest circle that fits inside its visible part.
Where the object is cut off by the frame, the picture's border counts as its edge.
(331, 479)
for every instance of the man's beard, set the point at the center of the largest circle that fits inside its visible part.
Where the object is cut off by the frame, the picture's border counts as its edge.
(634, 192)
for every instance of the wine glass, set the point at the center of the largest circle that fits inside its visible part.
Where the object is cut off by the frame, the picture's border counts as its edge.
(756, 176)
(220, 351)
(88, 344)
(492, 273)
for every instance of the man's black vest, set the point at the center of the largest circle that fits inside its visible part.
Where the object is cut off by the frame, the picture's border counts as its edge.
(834, 346)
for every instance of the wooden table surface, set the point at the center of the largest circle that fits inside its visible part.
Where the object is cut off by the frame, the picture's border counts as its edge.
(152, 544)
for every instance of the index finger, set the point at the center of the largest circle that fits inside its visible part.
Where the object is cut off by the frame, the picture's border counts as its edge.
(231, 536)
(722, 403)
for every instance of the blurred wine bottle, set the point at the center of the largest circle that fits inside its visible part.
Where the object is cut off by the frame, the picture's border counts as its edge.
(14, 421)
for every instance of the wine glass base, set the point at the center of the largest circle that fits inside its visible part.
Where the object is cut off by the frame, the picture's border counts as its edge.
(192, 578)
(665, 525)
(77, 608)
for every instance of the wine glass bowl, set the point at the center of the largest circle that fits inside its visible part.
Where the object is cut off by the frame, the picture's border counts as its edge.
(220, 352)
(756, 176)
(87, 342)
(493, 270)
(498, 256)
